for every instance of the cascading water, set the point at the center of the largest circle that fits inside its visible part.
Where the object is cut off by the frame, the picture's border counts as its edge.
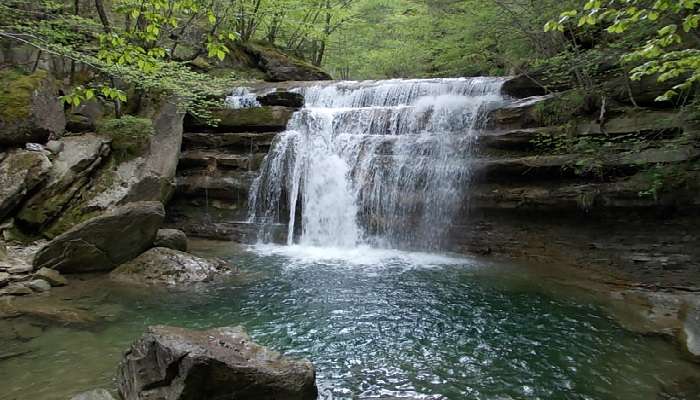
(385, 163)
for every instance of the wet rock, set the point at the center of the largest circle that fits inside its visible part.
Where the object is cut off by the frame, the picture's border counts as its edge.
(20, 172)
(104, 242)
(282, 98)
(16, 289)
(51, 276)
(243, 141)
(48, 311)
(4, 279)
(171, 363)
(20, 268)
(69, 173)
(168, 267)
(97, 394)
(39, 285)
(171, 238)
(31, 110)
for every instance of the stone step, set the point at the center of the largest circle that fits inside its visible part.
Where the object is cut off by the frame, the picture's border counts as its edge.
(211, 160)
(227, 185)
(248, 142)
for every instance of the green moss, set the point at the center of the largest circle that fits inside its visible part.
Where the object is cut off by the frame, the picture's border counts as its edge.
(16, 91)
(560, 109)
(130, 135)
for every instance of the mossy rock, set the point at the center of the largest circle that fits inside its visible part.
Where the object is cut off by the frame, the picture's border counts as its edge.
(130, 135)
(280, 67)
(30, 110)
(257, 119)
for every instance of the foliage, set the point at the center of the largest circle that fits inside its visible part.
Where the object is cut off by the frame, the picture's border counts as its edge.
(670, 53)
(130, 135)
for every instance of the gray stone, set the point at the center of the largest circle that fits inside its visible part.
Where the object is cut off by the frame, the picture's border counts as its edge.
(169, 363)
(39, 285)
(171, 238)
(168, 267)
(104, 242)
(69, 173)
(55, 146)
(691, 329)
(20, 172)
(51, 276)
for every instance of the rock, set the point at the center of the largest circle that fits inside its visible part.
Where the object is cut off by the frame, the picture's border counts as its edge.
(256, 119)
(69, 173)
(84, 118)
(169, 363)
(39, 285)
(16, 289)
(147, 177)
(282, 98)
(280, 67)
(690, 336)
(30, 110)
(20, 267)
(4, 279)
(55, 146)
(522, 86)
(104, 242)
(97, 394)
(51, 276)
(171, 238)
(241, 141)
(163, 266)
(20, 172)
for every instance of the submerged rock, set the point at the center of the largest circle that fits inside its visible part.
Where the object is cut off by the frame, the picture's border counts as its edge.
(169, 363)
(104, 242)
(163, 266)
(171, 238)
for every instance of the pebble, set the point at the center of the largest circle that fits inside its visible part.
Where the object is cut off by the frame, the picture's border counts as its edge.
(39, 285)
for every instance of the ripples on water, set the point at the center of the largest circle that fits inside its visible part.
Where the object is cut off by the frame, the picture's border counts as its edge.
(381, 324)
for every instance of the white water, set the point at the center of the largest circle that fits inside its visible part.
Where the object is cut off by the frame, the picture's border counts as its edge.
(381, 163)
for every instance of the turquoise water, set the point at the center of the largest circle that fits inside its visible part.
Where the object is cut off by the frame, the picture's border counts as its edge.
(375, 324)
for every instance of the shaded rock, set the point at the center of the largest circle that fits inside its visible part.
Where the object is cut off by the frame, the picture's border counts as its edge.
(232, 185)
(521, 86)
(171, 238)
(19, 267)
(84, 118)
(212, 159)
(282, 98)
(97, 394)
(104, 242)
(30, 110)
(20, 172)
(245, 141)
(39, 285)
(163, 266)
(4, 279)
(171, 363)
(55, 146)
(16, 289)
(69, 173)
(51, 276)
(280, 67)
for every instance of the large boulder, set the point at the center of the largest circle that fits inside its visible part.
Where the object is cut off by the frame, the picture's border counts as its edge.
(147, 176)
(171, 238)
(71, 170)
(30, 110)
(161, 266)
(279, 67)
(104, 242)
(20, 172)
(169, 363)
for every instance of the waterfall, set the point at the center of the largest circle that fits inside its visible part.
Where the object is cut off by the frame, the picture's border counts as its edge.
(384, 163)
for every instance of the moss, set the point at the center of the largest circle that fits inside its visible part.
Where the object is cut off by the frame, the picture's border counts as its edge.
(16, 91)
(130, 135)
(560, 109)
